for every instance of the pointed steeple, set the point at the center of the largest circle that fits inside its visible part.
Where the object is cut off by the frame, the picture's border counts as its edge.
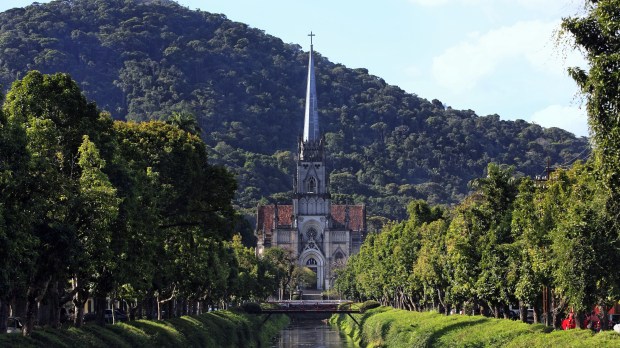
(311, 119)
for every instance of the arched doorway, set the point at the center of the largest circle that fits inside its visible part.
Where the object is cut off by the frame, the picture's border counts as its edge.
(312, 264)
(313, 259)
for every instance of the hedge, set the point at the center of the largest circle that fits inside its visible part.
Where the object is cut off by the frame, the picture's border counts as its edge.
(392, 328)
(215, 329)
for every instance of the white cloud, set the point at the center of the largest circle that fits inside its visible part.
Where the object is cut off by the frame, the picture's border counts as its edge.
(572, 119)
(462, 66)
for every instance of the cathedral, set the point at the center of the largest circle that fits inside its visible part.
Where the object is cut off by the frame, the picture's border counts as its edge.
(319, 235)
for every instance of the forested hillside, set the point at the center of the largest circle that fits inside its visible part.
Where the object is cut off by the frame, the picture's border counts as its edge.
(143, 60)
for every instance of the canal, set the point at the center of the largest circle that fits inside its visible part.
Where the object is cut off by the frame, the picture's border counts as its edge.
(311, 333)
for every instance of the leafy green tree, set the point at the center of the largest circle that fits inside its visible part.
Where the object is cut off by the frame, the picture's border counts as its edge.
(94, 211)
(463, 253)
(281, 267)
(55, 116)
(16, 241)
(498, 190)
(596, 34)
(189, 202)
(430, 266)
(585, 246)
(529, 256)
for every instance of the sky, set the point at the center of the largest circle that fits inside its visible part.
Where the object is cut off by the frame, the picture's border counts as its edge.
(491, 56)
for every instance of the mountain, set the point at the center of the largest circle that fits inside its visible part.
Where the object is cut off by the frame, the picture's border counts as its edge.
(143, 60)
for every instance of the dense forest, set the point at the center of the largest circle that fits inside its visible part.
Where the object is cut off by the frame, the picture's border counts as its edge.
(147, 60)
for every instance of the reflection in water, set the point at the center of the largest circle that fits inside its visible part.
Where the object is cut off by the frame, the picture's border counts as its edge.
(311, 334)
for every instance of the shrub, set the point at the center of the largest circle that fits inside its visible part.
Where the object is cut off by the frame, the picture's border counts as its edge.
(252, 308)
(370, 304)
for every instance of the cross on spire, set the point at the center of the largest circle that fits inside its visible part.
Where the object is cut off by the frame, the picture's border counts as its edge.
(311, 35)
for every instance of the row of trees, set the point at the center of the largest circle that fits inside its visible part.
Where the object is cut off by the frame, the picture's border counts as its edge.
(513, 240)
(91, 208)
(553, 244)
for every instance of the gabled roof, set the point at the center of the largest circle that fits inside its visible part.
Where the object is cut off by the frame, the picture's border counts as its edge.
(357, 216)
(266, 213)
(265, 216)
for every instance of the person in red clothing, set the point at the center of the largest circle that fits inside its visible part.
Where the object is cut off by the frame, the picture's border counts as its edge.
(593, 322)
(568, 323)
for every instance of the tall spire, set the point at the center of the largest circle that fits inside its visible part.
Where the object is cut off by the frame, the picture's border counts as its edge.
(311, 119)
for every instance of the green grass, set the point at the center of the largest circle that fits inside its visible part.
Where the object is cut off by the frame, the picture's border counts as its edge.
(387, 327)
(216, 329)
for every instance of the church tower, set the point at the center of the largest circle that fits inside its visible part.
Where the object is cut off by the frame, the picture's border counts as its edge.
(311, 199)
(321, 236)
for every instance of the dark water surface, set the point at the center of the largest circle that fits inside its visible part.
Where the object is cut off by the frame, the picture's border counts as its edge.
(311, 334)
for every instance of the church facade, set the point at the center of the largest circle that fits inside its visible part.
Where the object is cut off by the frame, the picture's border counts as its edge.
(318, 234)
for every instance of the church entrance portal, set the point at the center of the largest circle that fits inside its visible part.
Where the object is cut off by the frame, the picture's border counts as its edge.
(312, 265)
(315, 262)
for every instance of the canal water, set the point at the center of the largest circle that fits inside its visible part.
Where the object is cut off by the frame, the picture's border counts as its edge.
(311, 334)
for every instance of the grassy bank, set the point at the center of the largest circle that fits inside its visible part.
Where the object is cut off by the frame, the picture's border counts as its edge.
(387, 327)
(215, 329)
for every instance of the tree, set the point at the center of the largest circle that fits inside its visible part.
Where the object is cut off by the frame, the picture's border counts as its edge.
(529, 256)
(584, 244)
(185, 121)
(54, 116)
(188, 205)
(597, 35)
(16, 242)
(282, 265)
(94, 211)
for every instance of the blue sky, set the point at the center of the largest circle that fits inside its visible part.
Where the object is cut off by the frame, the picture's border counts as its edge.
(491, 56)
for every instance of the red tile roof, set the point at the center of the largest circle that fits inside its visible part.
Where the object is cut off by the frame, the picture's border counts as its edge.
(357, 216)
(265, 216)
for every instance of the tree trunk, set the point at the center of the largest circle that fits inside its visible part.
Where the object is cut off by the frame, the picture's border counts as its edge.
(53, 301)
(100, 307)
(33, 296)
(31, 311)
(18, 306)
(522, 312)
(79, 300)
(158, 307)
(4, 315)
(579, 318)
(149, 306)
(555, 310)
(506, 310)
(535, 315)
(605, 319)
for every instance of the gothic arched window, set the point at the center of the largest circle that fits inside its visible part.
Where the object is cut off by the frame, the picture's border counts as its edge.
(339, 259)
(311, 185)
(311, 262)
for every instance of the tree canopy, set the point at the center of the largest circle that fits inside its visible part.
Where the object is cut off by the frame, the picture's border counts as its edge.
(113, 211)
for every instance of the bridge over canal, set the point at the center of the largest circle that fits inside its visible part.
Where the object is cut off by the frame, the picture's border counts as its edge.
(307, 307)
